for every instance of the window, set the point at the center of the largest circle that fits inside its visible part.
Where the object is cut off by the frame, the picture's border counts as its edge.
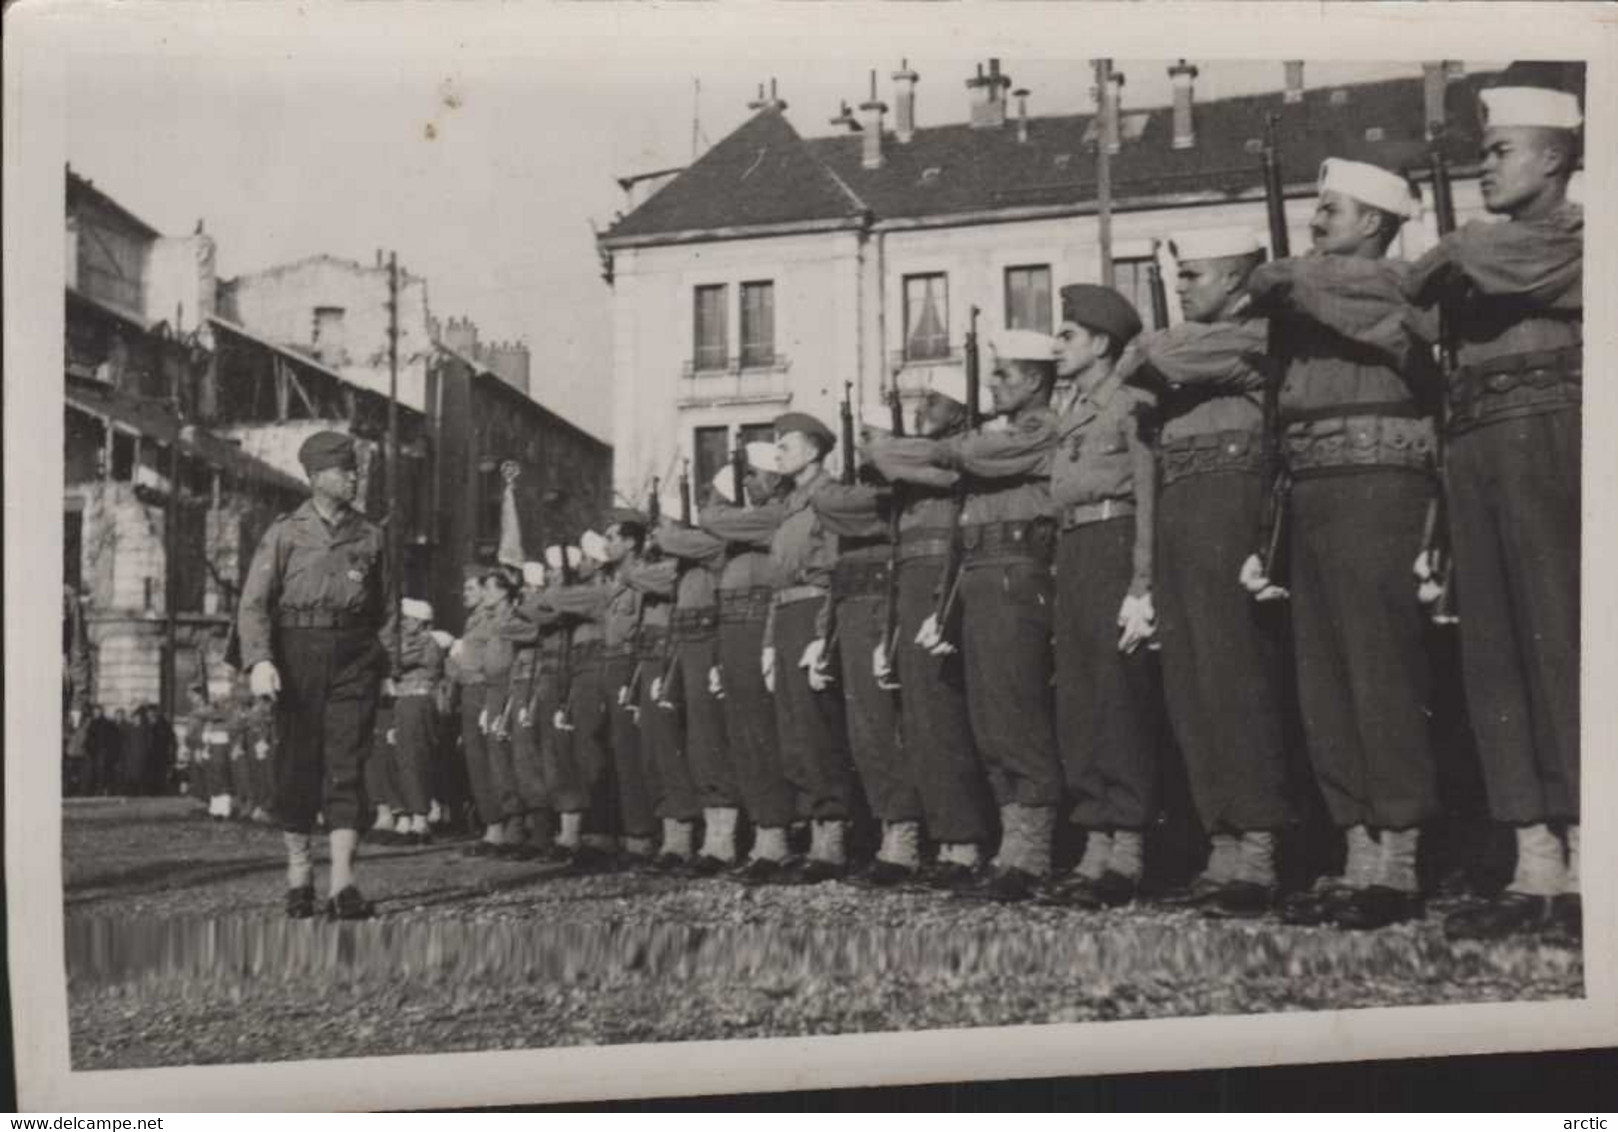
(711, 345)
(491, 493)
(758, 324)
(328, 336)
(926, 317)
(711, 449)
(1133, 278)
(1028, 299)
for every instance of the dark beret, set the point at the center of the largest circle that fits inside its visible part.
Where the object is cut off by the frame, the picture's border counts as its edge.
(326, 449)
(808, 425)
(1100, 309)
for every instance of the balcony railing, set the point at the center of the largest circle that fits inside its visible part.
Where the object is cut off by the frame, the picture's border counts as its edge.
(736, 382)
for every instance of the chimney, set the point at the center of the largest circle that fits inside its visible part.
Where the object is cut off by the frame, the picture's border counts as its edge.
(1021, 95)
(1294, 70)
(1182, 75)
(770, 103)
(1434, 81)
(1112, 96)
(872, 109)
(904, 124)
(988, 97)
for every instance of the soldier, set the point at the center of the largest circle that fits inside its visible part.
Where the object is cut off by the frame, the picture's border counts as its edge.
(1008, 534)
(741, 520)
(1360, 452)
(525, 630)
(932, 697)
(466, 667)
(311, 610)
(1221, 663)
(685, 684)
(810, 721)
(1512, 294)
(1103, 482)
(495, 721)
(260, 741)
(420, 664)
(857, 515)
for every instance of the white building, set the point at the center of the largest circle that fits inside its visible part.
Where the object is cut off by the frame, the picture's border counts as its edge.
(776, 268)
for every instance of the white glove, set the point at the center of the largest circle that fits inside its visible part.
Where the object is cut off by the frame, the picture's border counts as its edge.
(623, 696)
(716, 683)
(265, 680)
(524, 716)
(389, 688)
(819, 667)
(560, 721)
(931, 637)
(73, 719)
(456, 650)
(393, 737)
(483, 721)
(882, 667)
(1138, 622)
(1254, 581)
(657, 689)
(1428, 588)
(766, 662)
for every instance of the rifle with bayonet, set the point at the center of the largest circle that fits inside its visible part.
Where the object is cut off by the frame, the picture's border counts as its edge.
(1436, 554)
(671, 656)
(738, 475)
(847, 436)
(950, 583)
(563, 719)
(1159, 291)
(888, 681)
(1272, 524)
(629, 694)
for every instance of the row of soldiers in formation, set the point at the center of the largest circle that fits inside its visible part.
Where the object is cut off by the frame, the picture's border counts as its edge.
(983, 606)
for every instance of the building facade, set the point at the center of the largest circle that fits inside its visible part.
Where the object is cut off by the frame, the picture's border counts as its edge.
(778, 270)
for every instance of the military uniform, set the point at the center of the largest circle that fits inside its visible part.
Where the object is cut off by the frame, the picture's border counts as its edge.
(521, 790)
(1512, 293)
(1221, 661)
(1359, 451)
(746, 592)
(695, 654)
(584, 753)
(534, 633)
(856, 515)
(420, 665)
(492, 790)
(1008, 534)
(315, 602)
(812, 726)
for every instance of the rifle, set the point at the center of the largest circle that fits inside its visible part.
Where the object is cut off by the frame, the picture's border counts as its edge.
(685, 494)
(738, 475)
(671, 656)
(1272, 523)
(654, 514)
(565, 692)
(1160, 294)
(950, 584)
(1435, 540)
(896, 501)
(847, 436)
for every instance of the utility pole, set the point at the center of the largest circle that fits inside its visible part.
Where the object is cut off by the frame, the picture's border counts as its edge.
(395, 546)
(1104, 128)
(169, 694)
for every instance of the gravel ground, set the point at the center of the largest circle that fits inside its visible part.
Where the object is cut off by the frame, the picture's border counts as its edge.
(178, 955)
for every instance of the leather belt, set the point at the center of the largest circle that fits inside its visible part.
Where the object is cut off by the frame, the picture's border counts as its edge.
(1018, 538)
(692, 624)
(1334, 445)
(1232, 450)
(653, 638)
(738, 606)
(323, 619)
(1516, 385)
(791, 595)
(932, 547)
(1083, 514)
(587, 650)
(860, 578)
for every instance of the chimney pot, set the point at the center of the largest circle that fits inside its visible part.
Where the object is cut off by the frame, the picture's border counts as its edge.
(1021, 95)
(904, 124)
(989, 96)
(1182, 75)
(873, 109)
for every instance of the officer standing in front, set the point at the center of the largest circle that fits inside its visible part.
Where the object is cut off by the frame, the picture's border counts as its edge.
(1514, 296)
(313, 619)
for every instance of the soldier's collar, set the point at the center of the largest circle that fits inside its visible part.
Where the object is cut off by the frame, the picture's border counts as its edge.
(1103, 392)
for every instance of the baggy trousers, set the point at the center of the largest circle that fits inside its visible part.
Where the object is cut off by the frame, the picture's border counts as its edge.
(527, 763)
(331, 681)
(1514, 495)
(585, 753)
(1106, 701)
(674, 795)
(379, 773)
(502, 760)
(637, 816)
(811, 725)
(937, 727)
(1006, 644)
(487, 767)
(878, 748)
(414, 724)
(1222, 674)
(706, 745)
(750, 727)
(1363, 674)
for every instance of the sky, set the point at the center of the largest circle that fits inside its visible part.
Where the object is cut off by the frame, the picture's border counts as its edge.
(486, 168)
